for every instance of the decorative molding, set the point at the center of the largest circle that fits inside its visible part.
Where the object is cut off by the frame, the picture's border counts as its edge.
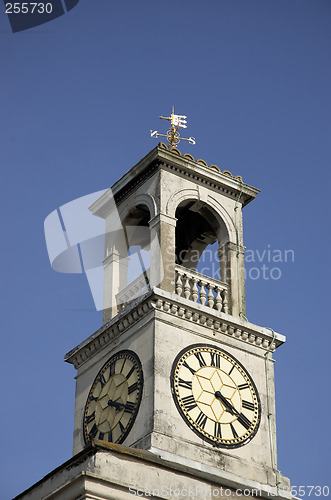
(147, 200)
(219, 322)
(200, 162)
(194, 175)
(110, 331)
(225, 222)
(157, 299)
(185, 165)
(135, 182)
(161, 217)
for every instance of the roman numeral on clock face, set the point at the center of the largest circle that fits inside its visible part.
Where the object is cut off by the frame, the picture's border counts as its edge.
(234, 433)
(199, 357)
(217, 430)
(189, 367)
(201, 420)
(121, 370)
(185, 383)
(189, 403)
(248, 405)
(243, 386)
(94, 431)
(132, 388)
(215, 359)
(89, 418)
(102, 380)
(130, 373)
(129, 407)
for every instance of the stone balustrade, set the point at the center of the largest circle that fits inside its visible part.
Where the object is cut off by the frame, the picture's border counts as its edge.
(188, 284)
(134, 289)
(201, 289)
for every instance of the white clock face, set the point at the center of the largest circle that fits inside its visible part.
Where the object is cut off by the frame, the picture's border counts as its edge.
(215, 395)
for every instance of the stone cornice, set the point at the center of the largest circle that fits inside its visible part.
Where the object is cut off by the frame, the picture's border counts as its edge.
(218, 321)
(184, 165)
(91, 464)
(110, 330)
(156, 299)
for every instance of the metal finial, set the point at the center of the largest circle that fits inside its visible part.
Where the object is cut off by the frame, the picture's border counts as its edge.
(172, 134)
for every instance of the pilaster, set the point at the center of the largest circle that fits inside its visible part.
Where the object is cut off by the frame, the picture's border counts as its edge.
(231, 257)
(163, 251)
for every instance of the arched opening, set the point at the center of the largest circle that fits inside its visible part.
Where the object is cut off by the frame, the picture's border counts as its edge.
(135, 255)
(137, 235)
(196, 229)
(199, 234)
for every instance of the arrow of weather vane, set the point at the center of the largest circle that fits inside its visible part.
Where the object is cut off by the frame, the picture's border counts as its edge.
(172, 134)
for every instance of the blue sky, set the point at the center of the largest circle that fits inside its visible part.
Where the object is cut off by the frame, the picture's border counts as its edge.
(79, 96)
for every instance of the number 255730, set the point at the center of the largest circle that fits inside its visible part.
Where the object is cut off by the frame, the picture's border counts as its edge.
(28, 8)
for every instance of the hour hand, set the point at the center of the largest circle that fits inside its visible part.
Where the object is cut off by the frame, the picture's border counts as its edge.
(226, 403)
(116, 404)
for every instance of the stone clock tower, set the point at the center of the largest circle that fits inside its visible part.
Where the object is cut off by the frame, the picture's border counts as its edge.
(175, 392)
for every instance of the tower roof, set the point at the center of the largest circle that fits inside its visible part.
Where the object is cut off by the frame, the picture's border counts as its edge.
(182, 164)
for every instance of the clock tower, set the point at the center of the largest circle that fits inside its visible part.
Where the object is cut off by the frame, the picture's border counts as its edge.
(175, 393)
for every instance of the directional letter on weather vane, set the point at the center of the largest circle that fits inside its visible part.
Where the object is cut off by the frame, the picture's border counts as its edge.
(172, 135)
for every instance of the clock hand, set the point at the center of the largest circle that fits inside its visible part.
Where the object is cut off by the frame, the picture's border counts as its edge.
(226, 403)
(116, 404)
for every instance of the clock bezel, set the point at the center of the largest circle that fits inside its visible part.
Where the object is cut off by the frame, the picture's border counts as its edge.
(182, 413)
(128, 353)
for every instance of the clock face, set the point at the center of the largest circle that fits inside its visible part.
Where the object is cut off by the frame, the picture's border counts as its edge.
(113, 402)
(215, 395)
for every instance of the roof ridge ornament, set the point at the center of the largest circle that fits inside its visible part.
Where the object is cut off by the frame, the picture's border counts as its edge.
(172, 135)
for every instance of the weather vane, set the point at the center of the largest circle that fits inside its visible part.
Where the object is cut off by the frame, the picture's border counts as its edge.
(172, 135)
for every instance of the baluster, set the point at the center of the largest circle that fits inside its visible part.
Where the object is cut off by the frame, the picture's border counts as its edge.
(225, 301)
(179, 284)
(195, 291)
(187, 288)
(202, 292)
(210, 295)
(218, 299)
